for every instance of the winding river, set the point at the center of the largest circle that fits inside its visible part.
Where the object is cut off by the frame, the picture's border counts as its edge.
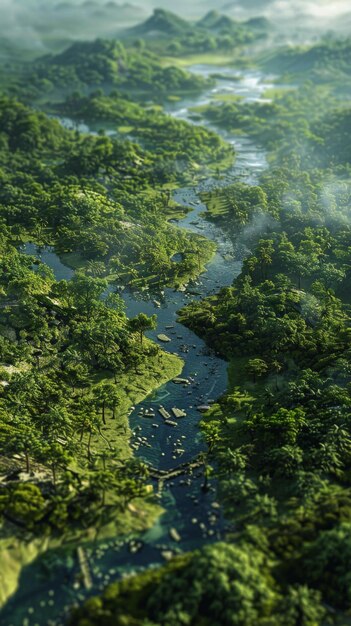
(48, 586)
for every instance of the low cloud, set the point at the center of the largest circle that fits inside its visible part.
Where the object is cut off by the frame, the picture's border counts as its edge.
(39, 25)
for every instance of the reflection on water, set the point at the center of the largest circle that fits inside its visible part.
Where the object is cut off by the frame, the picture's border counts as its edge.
(48, 256)
(48, 586)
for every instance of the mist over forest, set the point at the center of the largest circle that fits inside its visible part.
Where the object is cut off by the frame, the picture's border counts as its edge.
(39, 26)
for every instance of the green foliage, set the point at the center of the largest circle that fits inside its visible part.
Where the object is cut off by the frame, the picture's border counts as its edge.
(108, 63)
(326, 562)
(280, 437)
(229, 585)
(279, 441)
(167, 33)
(69, 201)
(308, 119)
(322, 62)
(179, 143)
(23, 504)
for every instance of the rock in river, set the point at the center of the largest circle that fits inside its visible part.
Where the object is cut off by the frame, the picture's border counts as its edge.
(163, 338)
(174, 534)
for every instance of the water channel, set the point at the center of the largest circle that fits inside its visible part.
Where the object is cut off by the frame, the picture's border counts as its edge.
(47, 587)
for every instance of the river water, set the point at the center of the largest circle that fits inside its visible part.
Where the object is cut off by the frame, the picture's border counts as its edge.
(49, 586)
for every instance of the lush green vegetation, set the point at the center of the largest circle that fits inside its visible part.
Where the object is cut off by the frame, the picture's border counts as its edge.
(73, 364)
(183, 148)
(107, 64)
(280, 439)
(71, 368)
(312, 121)
(325, 62)
(100, 198)
(215, 33)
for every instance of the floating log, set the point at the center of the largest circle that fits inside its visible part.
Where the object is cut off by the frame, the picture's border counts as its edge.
(180, 470)
(84, 568)
(171, 423)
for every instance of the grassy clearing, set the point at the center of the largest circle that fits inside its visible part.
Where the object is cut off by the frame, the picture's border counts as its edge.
(15, 555)
(274, 93)
(227, 97)
(195, 59)
(133, 389)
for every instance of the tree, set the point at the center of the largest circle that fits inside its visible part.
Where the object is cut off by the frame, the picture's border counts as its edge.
(101, 480)
(302, 606)
(19, 435)
(56, 423)
(23, 504)
(142, 323)
(57, 456)
(86, 292)
(281, 428)
(226, 584)
(264, 254)
(105, 397)
(326, 564)
(256, 367)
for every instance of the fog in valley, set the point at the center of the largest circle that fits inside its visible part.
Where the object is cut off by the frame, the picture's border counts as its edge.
(40, 27)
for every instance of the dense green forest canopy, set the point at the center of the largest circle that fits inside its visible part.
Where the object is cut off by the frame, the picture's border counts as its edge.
(215, 32)
(79, 191)
(312, 121)
(280, 438)
(321, 63)
(73, 364)
(109, 64)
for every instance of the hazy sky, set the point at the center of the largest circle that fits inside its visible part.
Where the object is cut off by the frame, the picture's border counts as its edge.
(316, 8)
(37, 24)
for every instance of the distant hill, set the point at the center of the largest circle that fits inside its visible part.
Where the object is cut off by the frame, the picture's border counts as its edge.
(163, 22)
(216, 21)
(107, 63)
(323, 61)
(259, 23)
(213, 24)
